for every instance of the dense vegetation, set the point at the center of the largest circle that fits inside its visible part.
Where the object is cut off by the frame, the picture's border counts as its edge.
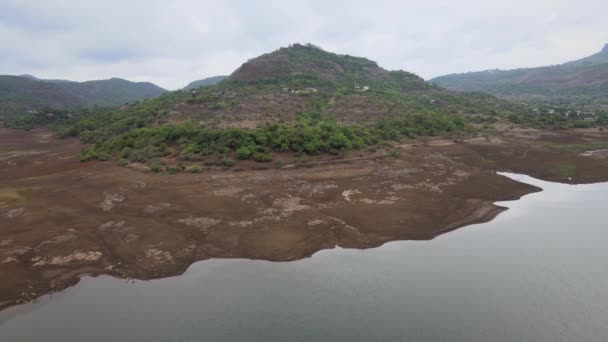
(311, 134)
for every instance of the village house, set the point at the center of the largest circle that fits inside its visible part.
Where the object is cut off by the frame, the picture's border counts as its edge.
(361, 88)
(588, 116)
(304, 91)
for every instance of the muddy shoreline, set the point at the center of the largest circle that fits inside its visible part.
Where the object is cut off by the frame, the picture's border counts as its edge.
(62, 219)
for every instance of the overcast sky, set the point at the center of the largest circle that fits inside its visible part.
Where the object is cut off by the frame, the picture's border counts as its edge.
(172, 43)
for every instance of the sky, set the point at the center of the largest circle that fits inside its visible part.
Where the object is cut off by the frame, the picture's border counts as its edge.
(172, 43)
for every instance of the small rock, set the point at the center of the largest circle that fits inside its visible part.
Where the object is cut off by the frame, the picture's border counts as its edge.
(110, 201)
(14, 212)
(199, 222)
(151, 209)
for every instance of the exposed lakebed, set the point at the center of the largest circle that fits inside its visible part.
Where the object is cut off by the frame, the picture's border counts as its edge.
(537, 272)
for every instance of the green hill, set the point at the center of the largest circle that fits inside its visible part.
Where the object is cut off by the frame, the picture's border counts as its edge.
(582, 82)
(301, 65)
(209, 81)
(299, 99)
(25, 93)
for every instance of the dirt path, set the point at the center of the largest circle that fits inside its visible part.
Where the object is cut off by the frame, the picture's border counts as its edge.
(61, 218)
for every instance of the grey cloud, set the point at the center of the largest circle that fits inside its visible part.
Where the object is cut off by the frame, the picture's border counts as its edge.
(173, 43)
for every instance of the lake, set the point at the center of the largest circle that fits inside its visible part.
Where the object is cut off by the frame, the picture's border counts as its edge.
(538, 272)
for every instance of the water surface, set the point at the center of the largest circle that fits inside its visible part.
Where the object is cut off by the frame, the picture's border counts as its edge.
(538, 272)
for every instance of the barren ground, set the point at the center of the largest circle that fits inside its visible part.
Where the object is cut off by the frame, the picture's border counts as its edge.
(60, 219)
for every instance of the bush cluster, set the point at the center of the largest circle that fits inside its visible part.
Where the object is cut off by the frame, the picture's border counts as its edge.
(311, 134)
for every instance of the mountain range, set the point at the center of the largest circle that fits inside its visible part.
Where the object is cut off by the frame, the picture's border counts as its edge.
(28, 93)
(581, 82)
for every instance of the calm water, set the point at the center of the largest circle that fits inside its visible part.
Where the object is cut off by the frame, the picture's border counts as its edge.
(539, 272)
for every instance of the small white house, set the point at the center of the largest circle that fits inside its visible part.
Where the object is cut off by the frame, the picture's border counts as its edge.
(304, 91)
(587, 116)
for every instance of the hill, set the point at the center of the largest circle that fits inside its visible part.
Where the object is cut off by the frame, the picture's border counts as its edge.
(205, 82)
(582, 82)
(25, 93)
(300, 65)
(277, 86)
(300, 100)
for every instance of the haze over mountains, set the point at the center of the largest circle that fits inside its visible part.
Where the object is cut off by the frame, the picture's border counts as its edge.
(26, 93)
(209, 81)
(581, 82)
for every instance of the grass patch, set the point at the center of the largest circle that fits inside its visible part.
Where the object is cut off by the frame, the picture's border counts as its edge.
(578, 147)
(566, 170)
(10, 197)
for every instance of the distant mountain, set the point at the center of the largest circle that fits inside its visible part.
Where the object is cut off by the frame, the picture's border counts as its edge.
(583, 81)
(205, 82)
(26, 92)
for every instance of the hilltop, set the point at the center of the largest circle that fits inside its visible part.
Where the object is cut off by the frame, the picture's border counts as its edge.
(312, 65)
(582, 82)
(19, 94)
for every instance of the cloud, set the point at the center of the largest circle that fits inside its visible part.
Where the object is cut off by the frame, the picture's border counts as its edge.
(173, 43)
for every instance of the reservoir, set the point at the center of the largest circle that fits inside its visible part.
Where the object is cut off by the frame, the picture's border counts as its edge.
(538, 272)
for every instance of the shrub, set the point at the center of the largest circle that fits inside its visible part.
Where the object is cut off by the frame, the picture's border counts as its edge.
(245, 152)
(123, 162)
(126, 152)
(155, 167)
(173, 169)
(103, 156)
(228, 162)
(196, 169)
(262, 157)
(86, 155)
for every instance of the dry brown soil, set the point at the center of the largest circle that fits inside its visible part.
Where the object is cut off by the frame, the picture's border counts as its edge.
(61, 219)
